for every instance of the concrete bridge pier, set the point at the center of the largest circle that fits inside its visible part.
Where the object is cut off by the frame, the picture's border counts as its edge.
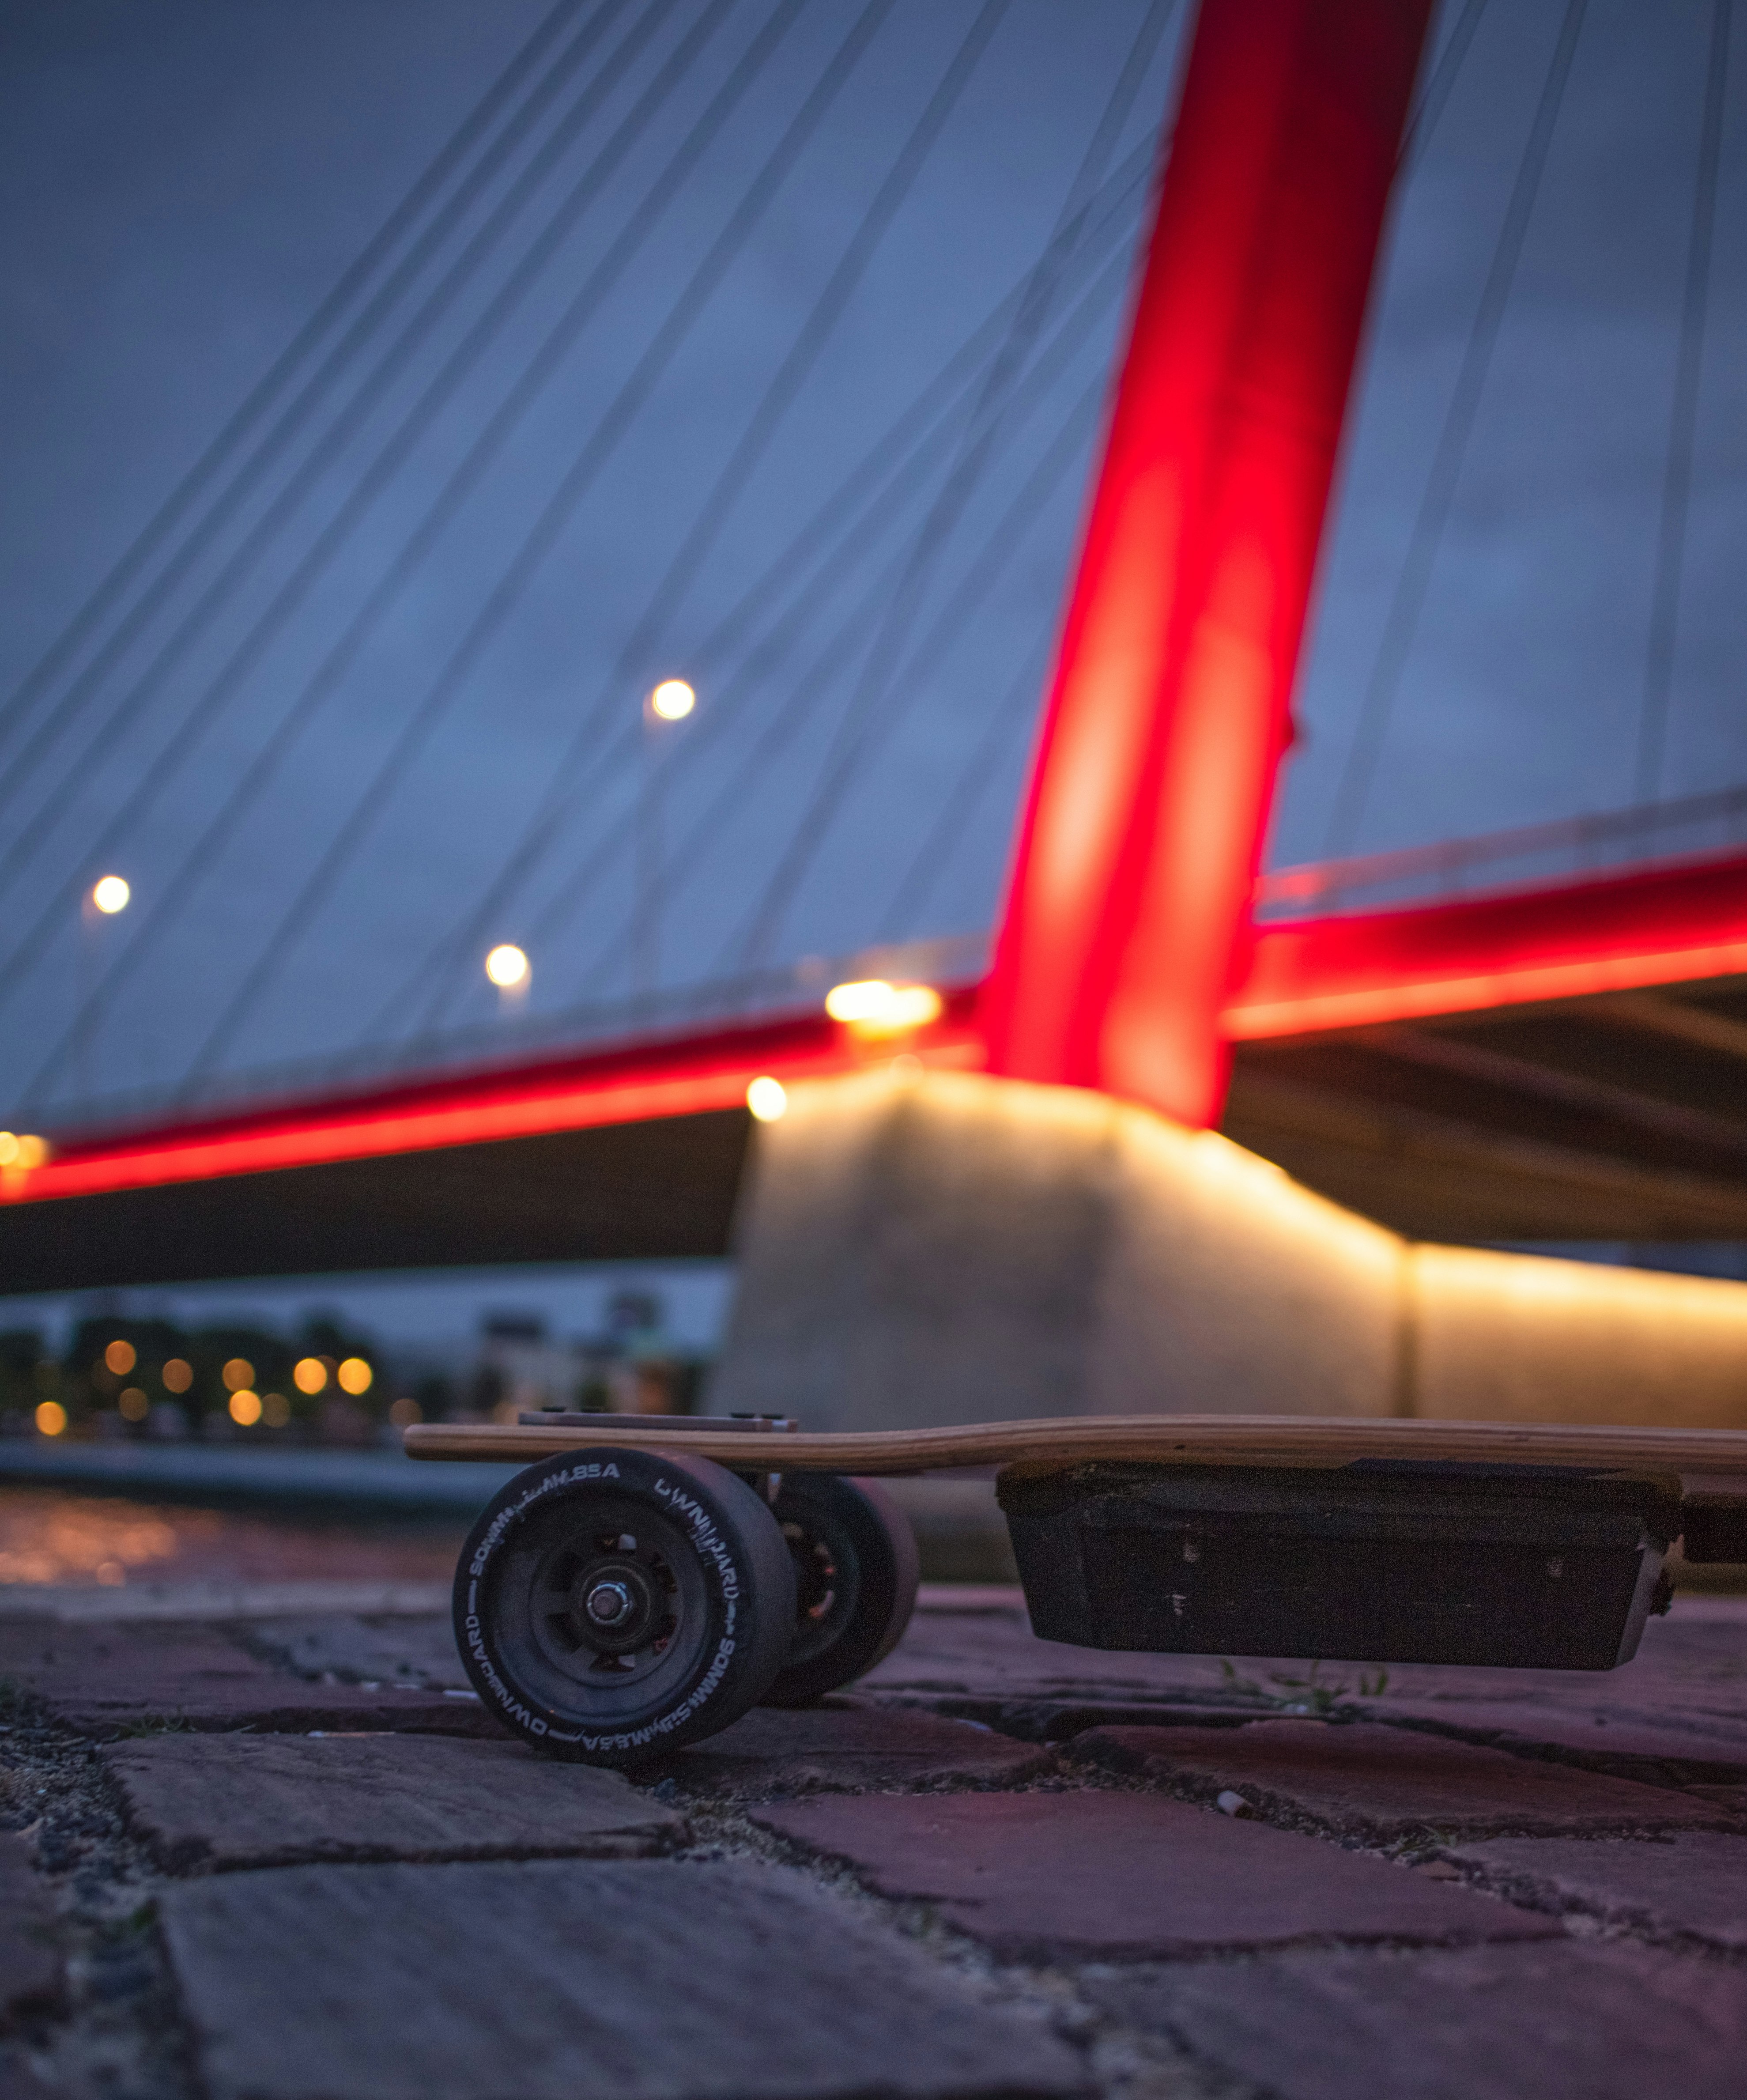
(925, 1247)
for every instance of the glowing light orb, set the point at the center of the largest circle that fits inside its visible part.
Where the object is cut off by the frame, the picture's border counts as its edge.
(767, 1099)
(110, 894)
(506, 966)
(672, 699)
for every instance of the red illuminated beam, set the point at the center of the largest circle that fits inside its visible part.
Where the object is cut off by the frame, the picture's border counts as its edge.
(638, 1082)
(1141, 833)
(1624, 932)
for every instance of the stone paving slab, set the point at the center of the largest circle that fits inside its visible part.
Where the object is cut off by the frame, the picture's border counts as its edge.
(1692, 1662)
(560, 1981)
(1560, 2021)
(411, 1652)
(30, 1966)
(1667, 1751)
(1382, 1784)
(223, 1801)
(852, 1749)
(105, 1680)
(1098, 1874)
(1691, 1671)
(1691, 1885)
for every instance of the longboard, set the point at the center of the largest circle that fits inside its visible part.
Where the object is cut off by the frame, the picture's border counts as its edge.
(620, 1594)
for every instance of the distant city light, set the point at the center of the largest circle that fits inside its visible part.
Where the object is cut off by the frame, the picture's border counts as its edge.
(245, 1407)
(120, 1357)
(177, 1374)
(672, 699)
(110, 894)
(134, 1404)
(506, 966)
(767, 1098)
(873, 1007)
(51, 1417)
(310, 1376)
(355, 1375)
(239, 1373)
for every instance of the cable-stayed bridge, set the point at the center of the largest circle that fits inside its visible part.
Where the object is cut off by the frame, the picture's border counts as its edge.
(1532, 1033)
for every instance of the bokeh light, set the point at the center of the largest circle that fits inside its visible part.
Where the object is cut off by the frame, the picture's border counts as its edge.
(177, 1374)
(51, 1417)
(355, 1375)
(275, 1409)
(134, 1404)
(873, 1007)
(110, 894)
(310, 1375)
(506, 966)
(120, 1356)
(767, 1098)
(245, 1407)
(672, 699)
(239, 1373)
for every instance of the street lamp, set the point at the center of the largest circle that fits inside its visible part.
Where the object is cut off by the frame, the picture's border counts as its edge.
(107, 896)
(671, 701)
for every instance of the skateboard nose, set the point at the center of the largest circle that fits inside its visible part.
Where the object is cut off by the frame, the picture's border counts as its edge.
(607, 1603)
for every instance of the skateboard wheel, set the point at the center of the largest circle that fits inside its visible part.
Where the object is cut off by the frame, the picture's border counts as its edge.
(612, 1605)
(855, 1568)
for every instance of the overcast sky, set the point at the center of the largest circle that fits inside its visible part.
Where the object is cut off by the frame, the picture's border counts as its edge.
(181, 184)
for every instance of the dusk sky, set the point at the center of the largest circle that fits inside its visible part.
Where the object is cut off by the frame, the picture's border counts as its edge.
(183, 184)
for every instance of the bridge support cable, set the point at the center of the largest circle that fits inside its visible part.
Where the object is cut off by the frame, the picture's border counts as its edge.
(1007, 536)
(970, 785)
(256, 404)
(1429, 106)
(291, 596)
(994, 554)
(780, 392)
(1407, 601)
(306, 475)
(804, 569)
(943, 518)
(199, 861)
(849, 639)
(1676, 481)
(555, 515)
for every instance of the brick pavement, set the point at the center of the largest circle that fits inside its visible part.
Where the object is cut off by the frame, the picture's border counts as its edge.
(1444, 1889)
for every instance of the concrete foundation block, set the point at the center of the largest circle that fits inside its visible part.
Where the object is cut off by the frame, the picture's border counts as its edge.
(947, 1247)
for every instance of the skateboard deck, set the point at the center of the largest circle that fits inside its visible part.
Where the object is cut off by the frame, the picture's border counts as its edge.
(1295, 1442)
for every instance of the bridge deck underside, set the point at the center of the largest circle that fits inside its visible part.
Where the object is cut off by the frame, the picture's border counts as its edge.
(1622, 1117)
(627, 1191)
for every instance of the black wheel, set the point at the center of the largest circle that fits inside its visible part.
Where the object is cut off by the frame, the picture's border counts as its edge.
(612, 1605)
(855, 1566)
